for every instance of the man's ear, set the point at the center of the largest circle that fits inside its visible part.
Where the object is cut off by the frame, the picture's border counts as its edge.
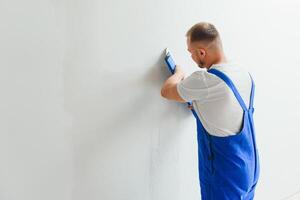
(202, 53)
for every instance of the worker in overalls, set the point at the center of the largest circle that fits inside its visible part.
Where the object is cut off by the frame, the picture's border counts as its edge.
(222, 99)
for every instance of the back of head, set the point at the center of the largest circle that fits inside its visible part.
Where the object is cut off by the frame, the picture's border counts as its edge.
(205, 34)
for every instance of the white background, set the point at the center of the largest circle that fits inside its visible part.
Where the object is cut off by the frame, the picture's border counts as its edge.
(81, 116)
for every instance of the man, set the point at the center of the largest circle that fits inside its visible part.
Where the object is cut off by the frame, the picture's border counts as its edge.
(222, 96)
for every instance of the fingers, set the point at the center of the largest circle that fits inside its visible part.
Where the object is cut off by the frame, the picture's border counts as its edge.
(190, 107)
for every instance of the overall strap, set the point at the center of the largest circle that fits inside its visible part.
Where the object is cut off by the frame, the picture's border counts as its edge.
(252, 94)
(227, 80)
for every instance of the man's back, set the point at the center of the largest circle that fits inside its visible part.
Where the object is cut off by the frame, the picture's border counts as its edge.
(214, 102)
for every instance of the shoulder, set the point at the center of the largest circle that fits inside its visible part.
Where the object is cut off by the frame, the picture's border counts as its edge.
(201, 80)
(203, 76)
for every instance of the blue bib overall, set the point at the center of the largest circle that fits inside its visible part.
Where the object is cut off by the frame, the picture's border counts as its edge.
(228, 166)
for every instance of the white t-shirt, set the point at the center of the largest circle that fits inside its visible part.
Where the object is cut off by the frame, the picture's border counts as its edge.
(213, 100)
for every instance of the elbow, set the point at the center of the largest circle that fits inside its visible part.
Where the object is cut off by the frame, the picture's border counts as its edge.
(163, 93)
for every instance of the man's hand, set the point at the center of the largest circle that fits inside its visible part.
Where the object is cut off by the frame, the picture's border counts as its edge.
(190, 107)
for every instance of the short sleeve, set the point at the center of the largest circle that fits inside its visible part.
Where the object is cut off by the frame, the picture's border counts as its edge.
(193, 87)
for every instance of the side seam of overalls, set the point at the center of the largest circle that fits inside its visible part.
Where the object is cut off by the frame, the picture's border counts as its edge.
(229, 166)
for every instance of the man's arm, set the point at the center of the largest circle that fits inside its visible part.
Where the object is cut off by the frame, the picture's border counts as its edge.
(169, 88)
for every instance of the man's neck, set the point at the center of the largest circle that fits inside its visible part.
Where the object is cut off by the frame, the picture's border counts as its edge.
(218, 60)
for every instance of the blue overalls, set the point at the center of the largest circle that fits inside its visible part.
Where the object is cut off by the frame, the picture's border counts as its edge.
(228, 166)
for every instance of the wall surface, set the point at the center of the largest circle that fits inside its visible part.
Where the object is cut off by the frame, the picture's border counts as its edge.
(81, 116)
